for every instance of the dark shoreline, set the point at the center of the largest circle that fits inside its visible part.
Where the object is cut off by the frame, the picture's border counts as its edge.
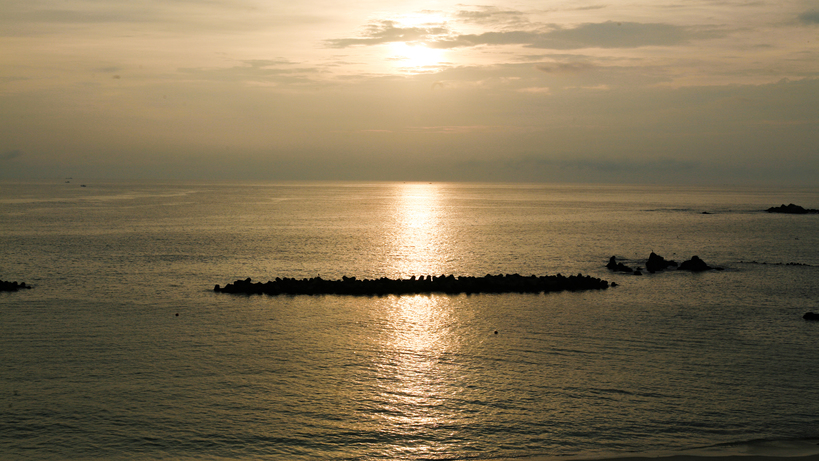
(446, 284)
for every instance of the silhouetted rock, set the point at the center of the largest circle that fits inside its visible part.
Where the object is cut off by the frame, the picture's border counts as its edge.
(13, 286)
(657, 263)
(811, 316)
(618, 267)
(449, 284)
(695, 264)
(791, 209)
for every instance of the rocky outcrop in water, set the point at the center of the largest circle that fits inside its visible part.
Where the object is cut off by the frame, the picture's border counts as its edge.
(657, 263)
(778, 264)
(448, 284)
(613, 265)
(791, 209)
(13, 286)
(695, 264)
(811, 316)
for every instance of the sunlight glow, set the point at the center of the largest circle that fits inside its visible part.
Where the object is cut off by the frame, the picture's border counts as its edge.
(416, 379)
(416, 58)
(420, 246)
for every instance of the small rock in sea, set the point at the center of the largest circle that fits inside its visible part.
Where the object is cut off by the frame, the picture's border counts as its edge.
(657, 263)
(811, 316)
(613, 265)
(695, 264)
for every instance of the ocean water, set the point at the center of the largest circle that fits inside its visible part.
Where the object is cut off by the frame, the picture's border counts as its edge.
(122, 351)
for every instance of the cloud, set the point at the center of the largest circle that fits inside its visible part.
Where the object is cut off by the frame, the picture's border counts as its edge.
(28, 17)
(491, 15)
(607, 34)
(661, 165)
(386, 32)
(809, 17)
(565, 67)
(259, 70)
(262, 63)
(11, 154)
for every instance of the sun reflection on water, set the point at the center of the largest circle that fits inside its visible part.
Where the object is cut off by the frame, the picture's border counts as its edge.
(415, 373)
(419, 245)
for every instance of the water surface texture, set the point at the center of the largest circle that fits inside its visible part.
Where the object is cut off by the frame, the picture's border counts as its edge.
(123, 351)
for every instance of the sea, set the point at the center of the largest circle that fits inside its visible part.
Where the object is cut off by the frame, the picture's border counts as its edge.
(121, 350)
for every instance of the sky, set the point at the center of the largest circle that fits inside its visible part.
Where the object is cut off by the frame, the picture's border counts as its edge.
(605, 91)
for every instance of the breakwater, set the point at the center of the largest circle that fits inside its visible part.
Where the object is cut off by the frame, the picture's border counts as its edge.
(447, 284)
(13, 286)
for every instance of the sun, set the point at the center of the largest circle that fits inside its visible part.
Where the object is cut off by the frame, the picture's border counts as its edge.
(416, 58)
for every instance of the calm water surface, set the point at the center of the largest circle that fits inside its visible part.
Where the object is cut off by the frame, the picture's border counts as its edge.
(95, 363)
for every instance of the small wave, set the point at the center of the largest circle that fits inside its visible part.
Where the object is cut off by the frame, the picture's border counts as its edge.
(769, 448)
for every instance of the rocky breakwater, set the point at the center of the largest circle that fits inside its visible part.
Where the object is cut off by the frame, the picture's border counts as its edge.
(13, 286)
(448, 284)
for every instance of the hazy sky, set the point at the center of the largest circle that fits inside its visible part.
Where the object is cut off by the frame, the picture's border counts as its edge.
(723, 91)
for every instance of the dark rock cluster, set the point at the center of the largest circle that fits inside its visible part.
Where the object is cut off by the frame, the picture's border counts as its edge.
(658, 263)
(811, 316)
(778, 264)
(449, 284)
(791, 209)
(13, 286)
(695, 264)
(613, 265)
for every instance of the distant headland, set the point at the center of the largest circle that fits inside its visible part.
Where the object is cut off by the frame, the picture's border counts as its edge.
(791, 209)
(447, 284)
(13, 286)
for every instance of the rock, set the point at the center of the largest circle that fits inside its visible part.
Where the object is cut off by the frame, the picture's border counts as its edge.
(695, 264)
(657, 263)
(450, 284)
(790, 209)
(811, 316)
(13, 286)
(613, 265)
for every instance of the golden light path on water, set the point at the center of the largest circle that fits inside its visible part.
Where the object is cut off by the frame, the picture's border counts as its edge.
(415, 377)
(419, 240)
(412, 369)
